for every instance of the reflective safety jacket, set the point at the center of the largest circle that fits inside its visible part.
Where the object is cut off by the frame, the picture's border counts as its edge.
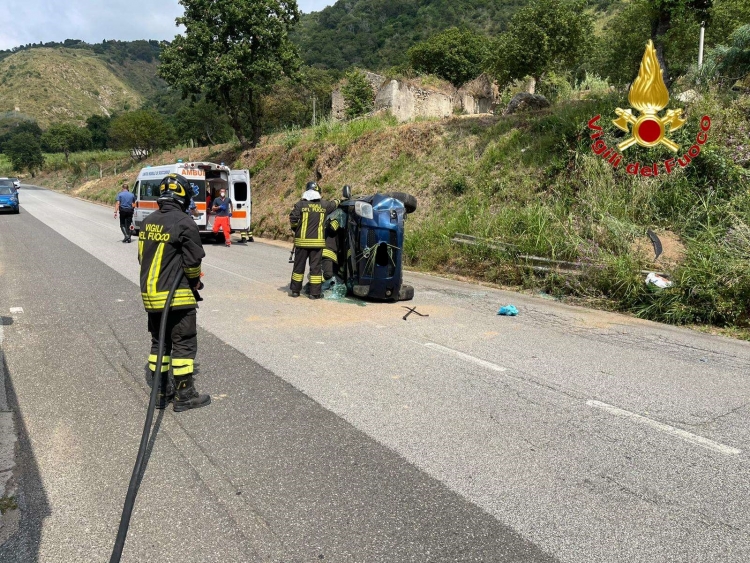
(168, 245)
(335, 223)
(308, 221)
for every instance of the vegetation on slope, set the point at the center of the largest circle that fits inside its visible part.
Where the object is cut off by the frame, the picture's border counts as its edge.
(62, 85)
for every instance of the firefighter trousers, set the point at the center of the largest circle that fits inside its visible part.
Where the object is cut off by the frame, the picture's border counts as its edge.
(301, 256)
(181, 342)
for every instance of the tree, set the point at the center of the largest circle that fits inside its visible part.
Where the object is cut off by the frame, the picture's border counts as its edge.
(25, 153)
(98, 126)
(672, 20)
(12, 126)
(204, 122)
(625, 38)
(455, 55)
(358, 94)
(141, 132)
(291, 101)
(233, 51)
(66, 138)
(733, 60)
(544, 36)
(725, 16)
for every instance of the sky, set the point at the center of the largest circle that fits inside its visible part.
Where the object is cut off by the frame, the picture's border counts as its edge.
(32, 21)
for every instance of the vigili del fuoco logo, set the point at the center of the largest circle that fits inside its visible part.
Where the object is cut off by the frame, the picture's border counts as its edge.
(649, 96)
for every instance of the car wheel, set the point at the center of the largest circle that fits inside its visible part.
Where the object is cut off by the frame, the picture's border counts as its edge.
(406, 293)
(17, 211)
(409, 201)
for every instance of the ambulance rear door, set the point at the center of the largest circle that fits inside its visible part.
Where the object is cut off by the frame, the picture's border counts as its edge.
(239, 191)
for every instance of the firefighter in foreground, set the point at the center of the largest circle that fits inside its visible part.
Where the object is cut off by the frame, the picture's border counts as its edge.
(169, 245)
(307, 220)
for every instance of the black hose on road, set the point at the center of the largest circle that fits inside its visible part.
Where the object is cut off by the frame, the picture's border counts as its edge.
(127, 508)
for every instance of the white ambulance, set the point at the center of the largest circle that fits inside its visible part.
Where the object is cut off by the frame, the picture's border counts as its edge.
(209, 178)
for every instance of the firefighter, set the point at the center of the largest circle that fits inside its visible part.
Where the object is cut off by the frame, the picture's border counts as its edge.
(307, 220)
(334, 226)
(169, 245)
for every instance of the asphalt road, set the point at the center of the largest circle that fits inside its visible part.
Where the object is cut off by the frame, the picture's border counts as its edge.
(340, 432)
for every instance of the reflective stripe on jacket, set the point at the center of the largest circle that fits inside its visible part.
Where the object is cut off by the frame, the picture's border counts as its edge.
(169, 245)
(308, 221)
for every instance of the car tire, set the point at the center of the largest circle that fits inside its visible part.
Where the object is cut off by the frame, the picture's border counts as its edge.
(406, 293)
(17, 211)
(409, 201)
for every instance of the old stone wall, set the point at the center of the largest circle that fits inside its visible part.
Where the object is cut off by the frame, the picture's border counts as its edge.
(338, 105)
(408, 102)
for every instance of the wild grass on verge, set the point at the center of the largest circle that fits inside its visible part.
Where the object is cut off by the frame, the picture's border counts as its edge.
(532, 182)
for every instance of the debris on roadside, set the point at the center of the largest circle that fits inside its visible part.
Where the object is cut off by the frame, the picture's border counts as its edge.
(659, 281)
(413, 310)
(508, 311)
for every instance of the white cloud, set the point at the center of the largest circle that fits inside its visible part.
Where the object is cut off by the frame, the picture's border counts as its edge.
(34, 21)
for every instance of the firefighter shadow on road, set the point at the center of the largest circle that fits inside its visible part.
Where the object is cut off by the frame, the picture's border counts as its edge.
(32, 499)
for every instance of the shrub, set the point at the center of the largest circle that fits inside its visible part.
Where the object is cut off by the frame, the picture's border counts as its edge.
(358, 94)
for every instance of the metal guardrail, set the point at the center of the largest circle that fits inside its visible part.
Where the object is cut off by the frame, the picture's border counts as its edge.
(536, 263)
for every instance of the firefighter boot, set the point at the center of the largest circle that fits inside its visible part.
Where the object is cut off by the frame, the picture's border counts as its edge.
(187, 397)
(166, 392)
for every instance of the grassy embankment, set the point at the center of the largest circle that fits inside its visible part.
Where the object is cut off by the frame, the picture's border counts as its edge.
(532, 181)
(68, 85)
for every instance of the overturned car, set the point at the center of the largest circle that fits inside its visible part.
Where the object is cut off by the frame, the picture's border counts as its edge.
(365, 240)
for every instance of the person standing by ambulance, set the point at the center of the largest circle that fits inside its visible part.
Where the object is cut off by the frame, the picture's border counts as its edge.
(222, 208)
(169, 246)
(307, 220)
(125, 205)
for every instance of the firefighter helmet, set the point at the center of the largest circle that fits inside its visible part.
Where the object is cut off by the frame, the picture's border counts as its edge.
(175, 187)
(312, 186)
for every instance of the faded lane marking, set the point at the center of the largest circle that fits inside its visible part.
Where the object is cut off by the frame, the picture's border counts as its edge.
(465, 357)
(667, 429)
(16, 310)
(236, 274)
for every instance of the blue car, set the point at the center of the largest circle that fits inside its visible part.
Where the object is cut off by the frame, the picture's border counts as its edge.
(373, 245)
(8, 197)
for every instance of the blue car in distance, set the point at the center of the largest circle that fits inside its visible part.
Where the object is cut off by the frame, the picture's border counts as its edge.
(8, 197)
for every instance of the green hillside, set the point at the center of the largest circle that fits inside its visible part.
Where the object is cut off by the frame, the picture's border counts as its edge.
(377, 33)
(69, 85)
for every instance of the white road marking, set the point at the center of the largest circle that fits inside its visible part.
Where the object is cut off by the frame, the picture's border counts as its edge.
(667, 429)
(235, 274)
(16, 310)
(466, 357)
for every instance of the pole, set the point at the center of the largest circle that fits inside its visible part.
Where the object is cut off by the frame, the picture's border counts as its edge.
(700, 46)
(314, 117)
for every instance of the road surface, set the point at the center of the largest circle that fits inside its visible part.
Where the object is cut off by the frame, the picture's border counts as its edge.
(340, 432)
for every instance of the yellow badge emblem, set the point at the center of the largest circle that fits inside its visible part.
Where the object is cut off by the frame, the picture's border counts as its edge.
(649, 96)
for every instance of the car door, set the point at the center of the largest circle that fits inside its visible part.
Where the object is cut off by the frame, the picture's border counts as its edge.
(239, 190)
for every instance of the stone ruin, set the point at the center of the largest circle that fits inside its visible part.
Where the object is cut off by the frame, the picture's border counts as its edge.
(408, 102)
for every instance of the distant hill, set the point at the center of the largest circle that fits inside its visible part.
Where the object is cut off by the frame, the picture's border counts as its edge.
(61, 84)
(377, 33)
